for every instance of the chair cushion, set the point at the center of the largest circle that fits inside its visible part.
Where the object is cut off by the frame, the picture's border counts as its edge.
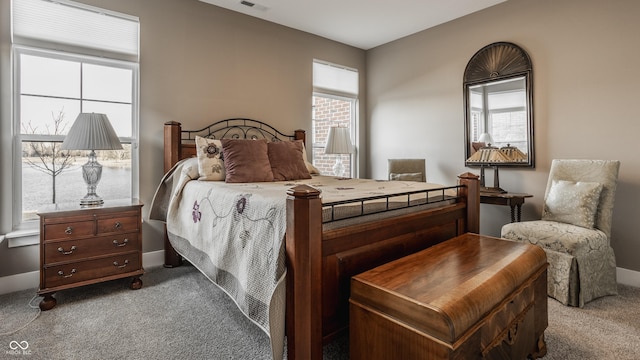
(406, 176)
(573, 203)
(557, 236)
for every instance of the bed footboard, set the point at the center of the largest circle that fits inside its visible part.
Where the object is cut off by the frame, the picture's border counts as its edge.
(320, 263)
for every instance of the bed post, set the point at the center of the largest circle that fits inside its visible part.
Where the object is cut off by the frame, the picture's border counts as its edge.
(300, 135)
(471, 195)
(172, 154)
(172, 141)
(304, 273)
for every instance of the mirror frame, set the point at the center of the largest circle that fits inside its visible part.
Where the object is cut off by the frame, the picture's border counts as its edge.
(495, 62)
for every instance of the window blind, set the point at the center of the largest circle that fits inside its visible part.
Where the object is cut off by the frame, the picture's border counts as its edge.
(335, 79)
(63, 22)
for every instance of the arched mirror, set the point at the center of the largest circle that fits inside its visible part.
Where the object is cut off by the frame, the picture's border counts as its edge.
(498, 102)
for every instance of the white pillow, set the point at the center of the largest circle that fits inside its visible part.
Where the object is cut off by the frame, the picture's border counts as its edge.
(210, 160)
(572, 202)
(312, 169)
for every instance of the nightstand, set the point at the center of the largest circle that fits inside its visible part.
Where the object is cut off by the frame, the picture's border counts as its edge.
(87, 245)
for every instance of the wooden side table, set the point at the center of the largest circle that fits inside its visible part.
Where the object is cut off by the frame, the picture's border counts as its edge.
(513, 200)
(87, 245)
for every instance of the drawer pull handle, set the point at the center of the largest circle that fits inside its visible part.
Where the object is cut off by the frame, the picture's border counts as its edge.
(61, 273)
(123, 243)
(61, 250)
(68, 230)
(116, 264)
(118, 225)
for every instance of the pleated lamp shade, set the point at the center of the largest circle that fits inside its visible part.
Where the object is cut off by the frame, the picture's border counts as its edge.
(91, 131)
(338, 141)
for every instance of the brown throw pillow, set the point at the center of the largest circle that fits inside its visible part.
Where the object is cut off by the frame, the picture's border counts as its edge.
(246, 161)
(287, 162)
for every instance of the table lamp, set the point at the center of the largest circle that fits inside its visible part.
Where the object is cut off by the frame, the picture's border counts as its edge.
(91, 131)
(338, 142)
(489, 155)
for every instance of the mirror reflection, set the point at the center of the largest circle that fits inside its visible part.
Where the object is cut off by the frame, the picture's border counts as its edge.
(498, 107)
(498, 116)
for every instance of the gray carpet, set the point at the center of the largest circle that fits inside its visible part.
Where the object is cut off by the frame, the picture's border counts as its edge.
(179, 314)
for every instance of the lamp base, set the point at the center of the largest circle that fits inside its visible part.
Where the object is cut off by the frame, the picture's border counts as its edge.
(91, 173)
(91, 200)
(338, 168)
(495, 189)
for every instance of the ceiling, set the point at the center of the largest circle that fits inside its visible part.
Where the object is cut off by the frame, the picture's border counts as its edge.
(364, 24)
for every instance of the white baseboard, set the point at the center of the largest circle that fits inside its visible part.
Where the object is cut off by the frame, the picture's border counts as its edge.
(24, 281)
(31, 280)
(19, 282)
(628, 277)
(156, 258)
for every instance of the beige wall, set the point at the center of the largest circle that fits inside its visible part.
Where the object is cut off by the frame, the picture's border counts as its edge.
(586, 74)
(199, 63)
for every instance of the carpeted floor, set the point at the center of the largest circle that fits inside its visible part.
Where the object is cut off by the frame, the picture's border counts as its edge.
(179, 314)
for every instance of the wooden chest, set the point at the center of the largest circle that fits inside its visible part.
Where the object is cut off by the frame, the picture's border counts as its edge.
(87, 245)
(470, 297)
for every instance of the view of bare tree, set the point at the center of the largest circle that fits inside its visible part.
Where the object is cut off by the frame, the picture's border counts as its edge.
(47, 157)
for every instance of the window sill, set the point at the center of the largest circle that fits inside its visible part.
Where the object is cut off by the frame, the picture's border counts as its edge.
(23, 237)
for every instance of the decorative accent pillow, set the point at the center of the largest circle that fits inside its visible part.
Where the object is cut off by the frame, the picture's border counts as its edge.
(210, 162)
(572, 203)
(246, 161)
(406, 176)
(312, 169)
(286, 160)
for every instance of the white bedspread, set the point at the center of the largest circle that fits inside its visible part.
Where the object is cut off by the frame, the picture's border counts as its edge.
(234, 233)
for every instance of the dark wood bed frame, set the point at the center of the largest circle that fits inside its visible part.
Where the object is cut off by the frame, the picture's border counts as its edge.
(321, 263)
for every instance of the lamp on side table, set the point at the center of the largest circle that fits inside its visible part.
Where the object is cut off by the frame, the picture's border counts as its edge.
(91, 131)
(338, 142)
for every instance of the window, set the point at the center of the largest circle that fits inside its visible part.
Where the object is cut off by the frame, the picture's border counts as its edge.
(335, 101)
(51, 87)
(508, 118)
(500, 109)
(51, 90)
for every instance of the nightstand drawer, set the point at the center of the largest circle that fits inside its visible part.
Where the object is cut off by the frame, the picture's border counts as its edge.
(89, 270)
(72, 230)
(73, 250)
(118, 224)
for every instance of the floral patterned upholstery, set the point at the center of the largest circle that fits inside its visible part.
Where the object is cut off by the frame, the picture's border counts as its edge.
(582, 264)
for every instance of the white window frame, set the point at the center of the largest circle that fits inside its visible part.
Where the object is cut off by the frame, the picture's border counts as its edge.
(346, 92)
(26, 232)
(353, 126)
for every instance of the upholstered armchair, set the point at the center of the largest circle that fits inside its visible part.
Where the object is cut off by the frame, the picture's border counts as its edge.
(575, 230)
(407, 169)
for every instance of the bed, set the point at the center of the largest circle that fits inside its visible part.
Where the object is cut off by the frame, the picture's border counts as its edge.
(327, 237)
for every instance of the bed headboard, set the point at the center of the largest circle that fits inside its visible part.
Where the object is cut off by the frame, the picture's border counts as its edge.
(180, 144)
